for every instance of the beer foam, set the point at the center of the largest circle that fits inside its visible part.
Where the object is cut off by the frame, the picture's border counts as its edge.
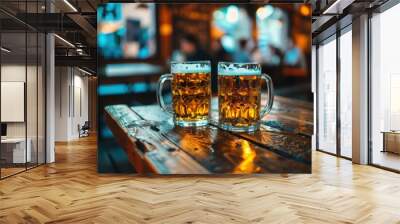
(191, 67)
(236, 69)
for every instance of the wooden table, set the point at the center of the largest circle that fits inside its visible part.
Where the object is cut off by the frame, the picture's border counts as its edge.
(154, 145)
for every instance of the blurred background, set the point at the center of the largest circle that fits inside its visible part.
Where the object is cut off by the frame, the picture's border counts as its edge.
(136, 42)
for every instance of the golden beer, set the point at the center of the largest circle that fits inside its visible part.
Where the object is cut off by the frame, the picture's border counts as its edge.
(239, 100)
(239, 96)
(191, 92)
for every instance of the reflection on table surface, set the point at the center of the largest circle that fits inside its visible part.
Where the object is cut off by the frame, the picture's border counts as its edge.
(279, 147)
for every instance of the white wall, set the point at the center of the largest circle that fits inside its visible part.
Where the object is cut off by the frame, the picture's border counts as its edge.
(81, 94)
(62, 81)
(33, 127)
(13, 73)
(70, 84)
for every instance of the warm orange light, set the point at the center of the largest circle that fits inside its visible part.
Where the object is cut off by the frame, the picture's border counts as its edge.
(194, 141)
(165, 29)
(305, 10)
(248, 156)
(216, 33)
(302, 41)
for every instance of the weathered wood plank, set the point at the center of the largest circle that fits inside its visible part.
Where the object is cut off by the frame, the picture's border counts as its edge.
(147, 150)
(286, 116)
(117, 117)
(291, 116)
(283, 145)
(286, 131)
(220, 151)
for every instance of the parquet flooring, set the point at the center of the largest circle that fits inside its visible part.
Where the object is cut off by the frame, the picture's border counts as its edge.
(71, 191)
(10, 171)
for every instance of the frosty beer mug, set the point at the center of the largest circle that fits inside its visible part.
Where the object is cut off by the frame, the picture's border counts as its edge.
(239, 96)
(191, 92)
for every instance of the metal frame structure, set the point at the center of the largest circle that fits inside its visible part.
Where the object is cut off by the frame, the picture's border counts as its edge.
(338, 33)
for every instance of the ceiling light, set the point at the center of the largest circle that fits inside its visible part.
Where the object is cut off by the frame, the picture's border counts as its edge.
(326, 11)
(337, 7)
(5, 50)
(70, 5)
(84, 71)
(65, 41)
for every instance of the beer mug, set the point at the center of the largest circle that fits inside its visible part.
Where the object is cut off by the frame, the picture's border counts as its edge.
(191, 92)
(239, 96)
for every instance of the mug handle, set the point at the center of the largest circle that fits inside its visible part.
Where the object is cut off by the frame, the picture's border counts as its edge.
(160, 86)
(270, 90)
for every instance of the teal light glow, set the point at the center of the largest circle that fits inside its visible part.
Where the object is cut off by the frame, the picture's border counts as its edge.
(131, 69)
(113, 89)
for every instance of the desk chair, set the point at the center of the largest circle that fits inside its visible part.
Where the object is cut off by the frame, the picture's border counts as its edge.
(84, 130)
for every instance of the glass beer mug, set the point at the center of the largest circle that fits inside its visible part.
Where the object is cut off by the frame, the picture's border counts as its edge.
(239, 96)
(191, 92)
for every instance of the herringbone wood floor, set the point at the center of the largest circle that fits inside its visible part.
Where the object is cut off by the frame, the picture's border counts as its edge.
(71, 191)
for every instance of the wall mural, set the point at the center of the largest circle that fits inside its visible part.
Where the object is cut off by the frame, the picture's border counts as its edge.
(204, 88)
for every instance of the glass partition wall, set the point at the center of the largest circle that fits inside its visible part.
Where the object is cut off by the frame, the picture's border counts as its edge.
(345, 92)
(22, 91)
(334, 94)
(385, 89)
(13, 86)
(326, 54)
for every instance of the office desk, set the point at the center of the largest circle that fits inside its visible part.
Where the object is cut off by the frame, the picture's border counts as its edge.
(391, 141)
(13, 150)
